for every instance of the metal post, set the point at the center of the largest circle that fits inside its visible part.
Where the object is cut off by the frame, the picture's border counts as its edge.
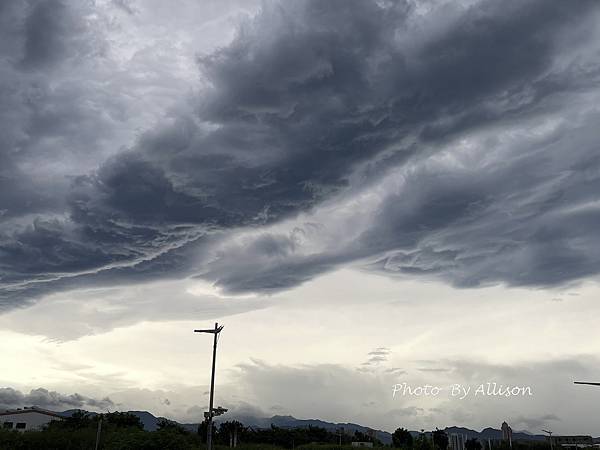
(212, 391)
(549, 437)
(98, 432)
(211, 412)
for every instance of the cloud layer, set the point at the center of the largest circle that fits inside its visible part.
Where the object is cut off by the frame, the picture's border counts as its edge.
(465, 132)
(43, 398)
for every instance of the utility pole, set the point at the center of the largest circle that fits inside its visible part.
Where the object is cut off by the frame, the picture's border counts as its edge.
(209, 421)
(549, 437)
(98, 432)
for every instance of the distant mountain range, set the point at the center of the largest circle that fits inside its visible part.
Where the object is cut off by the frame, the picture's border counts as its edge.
(292, 422)
(150, 424)
(149, 420)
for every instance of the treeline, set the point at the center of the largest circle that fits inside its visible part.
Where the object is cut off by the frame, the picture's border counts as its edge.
(119, 431)
(124, 431)
(284, 437)
(439, 440)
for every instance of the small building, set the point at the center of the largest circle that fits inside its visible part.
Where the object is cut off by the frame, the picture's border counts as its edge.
(27, 419)
(573, 441)
(362, 444)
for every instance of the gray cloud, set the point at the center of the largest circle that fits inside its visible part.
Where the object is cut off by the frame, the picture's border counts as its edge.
(377, 356)
(46, 33)
(396, 370)
(535, 423)
(340, 394)
(497, 213)
(43, 398)
(334, 389)
(380, 351)
(401, 413)
(120, 307)
(310, 101)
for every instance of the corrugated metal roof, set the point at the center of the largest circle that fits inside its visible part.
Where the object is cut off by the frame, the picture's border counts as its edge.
(30, 410)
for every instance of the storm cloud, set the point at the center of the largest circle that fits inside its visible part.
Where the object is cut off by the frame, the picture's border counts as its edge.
(43, 398)
(464, 133)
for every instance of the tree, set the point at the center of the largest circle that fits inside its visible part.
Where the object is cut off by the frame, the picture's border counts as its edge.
(440, 439)
(168, 425)
(229, 432)
(402, 438)
(472, 444)
(359, 436)
(422, 443)
(119, 432)
(124, 420)
(76, 421)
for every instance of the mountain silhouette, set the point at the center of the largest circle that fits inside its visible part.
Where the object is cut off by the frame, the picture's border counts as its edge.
(150, 422)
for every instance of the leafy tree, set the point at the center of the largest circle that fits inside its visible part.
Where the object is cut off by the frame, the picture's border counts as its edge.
(440, 439)
(77, 421)
(422, 443)
(230, 432)
(169, 425)
(472, 444)
(363, 437)
(402, 438)
(123, 420)
(122, 432)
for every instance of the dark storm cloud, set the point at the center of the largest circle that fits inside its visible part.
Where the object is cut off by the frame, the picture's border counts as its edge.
(46, 31)
(304, 96)
(48, 122)
(43, 398)
(503, 221)
(529, 221)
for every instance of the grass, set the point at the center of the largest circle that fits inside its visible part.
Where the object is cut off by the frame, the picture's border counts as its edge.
(274, 447)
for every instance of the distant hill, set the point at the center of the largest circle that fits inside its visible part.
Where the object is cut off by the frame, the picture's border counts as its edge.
(467, 432)
(292, 422)
(149, 420)
(494, 434)
(150, 424)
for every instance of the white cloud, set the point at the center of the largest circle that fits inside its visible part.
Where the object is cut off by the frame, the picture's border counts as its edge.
(302, 354)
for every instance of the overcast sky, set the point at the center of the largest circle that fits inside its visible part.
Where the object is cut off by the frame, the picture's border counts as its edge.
(366, 193)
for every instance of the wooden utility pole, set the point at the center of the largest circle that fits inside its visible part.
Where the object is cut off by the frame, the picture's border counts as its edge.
(209, 421)
(98, 432)
(549, 437)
